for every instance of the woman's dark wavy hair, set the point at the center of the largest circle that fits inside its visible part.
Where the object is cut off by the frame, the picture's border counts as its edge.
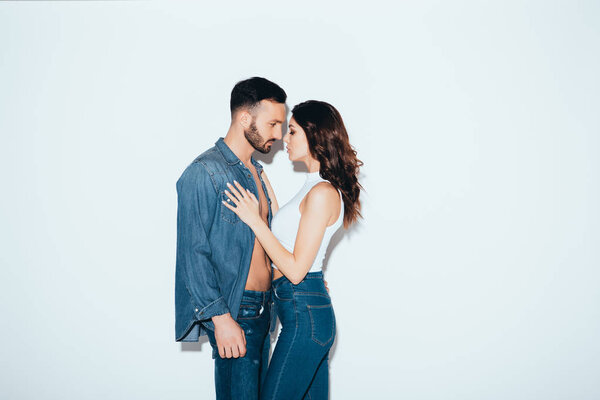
(328, 143)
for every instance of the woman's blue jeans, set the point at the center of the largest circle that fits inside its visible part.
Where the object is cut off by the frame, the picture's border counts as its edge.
(299, 367)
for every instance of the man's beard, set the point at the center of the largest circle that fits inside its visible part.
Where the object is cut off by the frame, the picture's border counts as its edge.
(255, 139)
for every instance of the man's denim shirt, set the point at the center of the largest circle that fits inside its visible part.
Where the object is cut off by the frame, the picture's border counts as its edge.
(214, 247)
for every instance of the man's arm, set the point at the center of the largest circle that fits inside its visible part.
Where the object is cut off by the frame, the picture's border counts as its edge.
(193, 248)
(196, 199)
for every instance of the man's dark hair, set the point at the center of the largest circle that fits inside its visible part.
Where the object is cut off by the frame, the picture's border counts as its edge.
(248, 93)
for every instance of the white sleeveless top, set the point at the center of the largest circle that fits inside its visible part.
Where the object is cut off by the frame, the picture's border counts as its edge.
(285, 223)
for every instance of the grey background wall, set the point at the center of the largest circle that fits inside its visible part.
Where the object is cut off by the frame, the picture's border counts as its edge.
(474, 274)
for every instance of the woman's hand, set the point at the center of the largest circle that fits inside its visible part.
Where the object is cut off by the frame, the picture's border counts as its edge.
(246, 204)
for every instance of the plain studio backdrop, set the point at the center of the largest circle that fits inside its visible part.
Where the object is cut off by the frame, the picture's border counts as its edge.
(474, 274)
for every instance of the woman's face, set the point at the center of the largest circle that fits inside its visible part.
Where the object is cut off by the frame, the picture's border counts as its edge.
(296, 143)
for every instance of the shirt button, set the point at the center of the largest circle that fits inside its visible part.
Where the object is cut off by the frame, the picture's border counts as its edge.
(249, 176)
(241, 163)
(196, 310)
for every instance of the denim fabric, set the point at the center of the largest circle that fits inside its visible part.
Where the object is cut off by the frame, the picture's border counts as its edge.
(241, 378)
(214, 247)
(299, 367)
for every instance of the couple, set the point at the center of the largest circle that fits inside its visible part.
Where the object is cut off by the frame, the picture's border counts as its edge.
(238, 252)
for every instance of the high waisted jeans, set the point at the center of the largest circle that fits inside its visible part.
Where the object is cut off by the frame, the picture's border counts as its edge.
(241, 378)
(299, 367)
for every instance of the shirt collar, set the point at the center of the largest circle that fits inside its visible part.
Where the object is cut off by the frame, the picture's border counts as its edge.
(230, 156)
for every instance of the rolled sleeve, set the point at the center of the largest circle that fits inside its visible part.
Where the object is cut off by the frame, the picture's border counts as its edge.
(217, 307)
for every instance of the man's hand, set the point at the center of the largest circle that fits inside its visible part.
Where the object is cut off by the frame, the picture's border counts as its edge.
(230, 337)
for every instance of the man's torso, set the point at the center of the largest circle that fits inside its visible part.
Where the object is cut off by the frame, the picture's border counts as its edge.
(259, 276)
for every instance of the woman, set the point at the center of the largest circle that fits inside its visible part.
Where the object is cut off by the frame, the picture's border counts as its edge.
(301, 231)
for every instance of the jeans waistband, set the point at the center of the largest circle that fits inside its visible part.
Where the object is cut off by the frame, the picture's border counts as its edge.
(310, 275)
(252, 296)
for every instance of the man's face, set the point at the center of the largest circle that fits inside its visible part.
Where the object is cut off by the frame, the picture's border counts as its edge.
(266, 124)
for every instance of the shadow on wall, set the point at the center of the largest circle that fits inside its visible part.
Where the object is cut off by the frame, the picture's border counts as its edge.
(195, 346)
(336, 239)
(298, 166)
(268, 158)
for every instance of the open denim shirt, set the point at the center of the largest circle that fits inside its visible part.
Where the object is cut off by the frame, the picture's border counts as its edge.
(214, 247)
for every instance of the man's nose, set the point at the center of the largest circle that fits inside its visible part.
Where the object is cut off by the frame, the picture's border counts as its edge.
(278, 134)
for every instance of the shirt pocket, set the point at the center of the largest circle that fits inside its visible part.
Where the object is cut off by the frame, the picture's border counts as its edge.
(226, 213)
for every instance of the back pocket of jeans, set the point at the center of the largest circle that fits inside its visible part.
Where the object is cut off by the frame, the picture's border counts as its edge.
(322, 323)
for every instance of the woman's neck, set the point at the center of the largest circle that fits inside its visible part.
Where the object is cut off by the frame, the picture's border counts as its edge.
(312, 165)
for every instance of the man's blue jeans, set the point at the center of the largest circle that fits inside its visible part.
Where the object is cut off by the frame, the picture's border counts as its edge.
(241, 378)
(299, 367)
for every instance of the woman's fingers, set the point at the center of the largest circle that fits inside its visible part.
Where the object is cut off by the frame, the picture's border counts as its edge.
(231, 196)
(239, 194)
(232, 208)
(233, 189)
(252, 196)
(240, 188)
(246, 193)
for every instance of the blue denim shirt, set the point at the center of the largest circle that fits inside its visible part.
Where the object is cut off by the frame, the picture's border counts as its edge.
(214, 247)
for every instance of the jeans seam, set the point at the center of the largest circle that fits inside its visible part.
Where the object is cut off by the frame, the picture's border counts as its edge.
(289, 351)
(312, 294)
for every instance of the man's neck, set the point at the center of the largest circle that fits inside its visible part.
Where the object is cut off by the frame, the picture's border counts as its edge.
(237, 142)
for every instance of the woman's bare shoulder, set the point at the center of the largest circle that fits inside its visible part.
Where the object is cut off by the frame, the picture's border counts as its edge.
(324, 194)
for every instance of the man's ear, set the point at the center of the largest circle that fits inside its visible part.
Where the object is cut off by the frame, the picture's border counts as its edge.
(245, 118)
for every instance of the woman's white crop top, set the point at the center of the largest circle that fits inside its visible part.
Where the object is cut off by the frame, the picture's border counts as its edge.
(285, 223)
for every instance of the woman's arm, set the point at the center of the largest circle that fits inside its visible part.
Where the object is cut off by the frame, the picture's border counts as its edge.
(319, 205)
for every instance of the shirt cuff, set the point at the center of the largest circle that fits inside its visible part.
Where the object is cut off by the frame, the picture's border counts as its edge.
(217, 307)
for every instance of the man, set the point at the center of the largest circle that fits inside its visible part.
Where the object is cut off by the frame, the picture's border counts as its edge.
(223, 275)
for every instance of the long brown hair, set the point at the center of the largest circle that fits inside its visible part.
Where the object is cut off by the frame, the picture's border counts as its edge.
(328, 143)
